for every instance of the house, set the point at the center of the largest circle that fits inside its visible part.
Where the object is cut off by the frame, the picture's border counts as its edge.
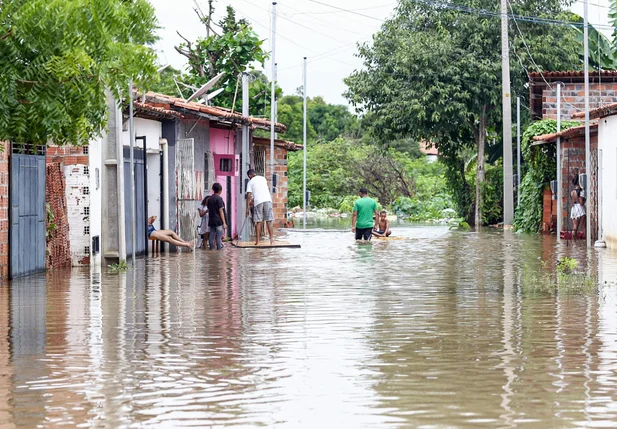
(543, 92)
(181, 149)
(606, 164)
(572, 165)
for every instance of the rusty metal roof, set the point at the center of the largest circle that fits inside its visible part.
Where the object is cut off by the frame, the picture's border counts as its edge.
(286, 144)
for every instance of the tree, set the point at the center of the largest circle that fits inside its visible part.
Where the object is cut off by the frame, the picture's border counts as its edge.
(433, 72)
(231, 49)
(57, 57)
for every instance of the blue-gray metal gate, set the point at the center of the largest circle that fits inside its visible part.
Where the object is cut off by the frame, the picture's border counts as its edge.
(27, 242)
(140, 202)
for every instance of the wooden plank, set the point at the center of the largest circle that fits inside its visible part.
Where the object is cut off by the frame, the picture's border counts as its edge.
(264, 245)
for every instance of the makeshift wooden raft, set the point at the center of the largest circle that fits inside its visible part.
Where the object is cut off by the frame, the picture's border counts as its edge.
(388, 238)
(264, 245)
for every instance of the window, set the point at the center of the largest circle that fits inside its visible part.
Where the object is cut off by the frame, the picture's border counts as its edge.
(86, 170)
(207, 169)
(259, 160)
(87, 211)
(86, 230)
(85, 190)
(87, 250)
(226, 165)
(84, 150)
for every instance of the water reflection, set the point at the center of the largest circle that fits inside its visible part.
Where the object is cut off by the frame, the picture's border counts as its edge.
(431, 330)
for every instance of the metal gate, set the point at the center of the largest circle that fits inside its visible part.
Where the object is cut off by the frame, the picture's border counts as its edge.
(140, 202)
(27, 241)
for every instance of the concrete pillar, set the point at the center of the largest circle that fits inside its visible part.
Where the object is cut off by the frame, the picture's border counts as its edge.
(113, 234)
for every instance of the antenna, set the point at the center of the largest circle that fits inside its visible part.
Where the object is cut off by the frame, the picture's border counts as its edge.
(206, 87)
(213, 94)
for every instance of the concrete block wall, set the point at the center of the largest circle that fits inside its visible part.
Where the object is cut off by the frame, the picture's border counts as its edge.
(4, 210)
(77, 178)
(573, 98)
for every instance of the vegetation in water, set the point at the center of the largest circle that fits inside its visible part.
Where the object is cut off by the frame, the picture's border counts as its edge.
(119, 267)
(565, 280)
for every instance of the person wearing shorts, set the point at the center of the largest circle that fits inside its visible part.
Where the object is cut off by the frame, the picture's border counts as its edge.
(258, 195)
(364, 209)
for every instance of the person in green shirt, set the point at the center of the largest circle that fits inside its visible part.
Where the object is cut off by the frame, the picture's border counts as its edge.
(362, 220)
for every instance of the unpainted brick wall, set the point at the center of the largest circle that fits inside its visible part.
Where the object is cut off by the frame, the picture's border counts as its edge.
(573, 98)
(58, 244)
(4, 210)
(573, 163)
(279, 199)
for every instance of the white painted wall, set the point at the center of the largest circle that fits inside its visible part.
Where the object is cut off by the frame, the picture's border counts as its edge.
(78, 207)
(153, 130)
(145, 127)
(96, 200)
(607, 145)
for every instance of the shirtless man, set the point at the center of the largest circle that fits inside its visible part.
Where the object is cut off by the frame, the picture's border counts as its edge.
(382, 226)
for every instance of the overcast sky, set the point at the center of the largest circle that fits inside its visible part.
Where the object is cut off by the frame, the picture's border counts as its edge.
(325, 35)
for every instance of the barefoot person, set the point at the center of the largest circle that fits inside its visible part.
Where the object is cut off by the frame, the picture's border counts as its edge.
(166, 235)
(217, 221)
(577, 213)
(382, 227)
(362, 219)
(258, 195)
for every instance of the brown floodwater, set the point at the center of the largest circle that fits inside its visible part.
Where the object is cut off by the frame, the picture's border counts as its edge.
(430, 331)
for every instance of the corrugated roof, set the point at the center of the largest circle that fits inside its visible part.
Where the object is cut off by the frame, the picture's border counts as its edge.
(570, 73)
(598, 113)
(570, 132)
(290, 146)
(173, 106)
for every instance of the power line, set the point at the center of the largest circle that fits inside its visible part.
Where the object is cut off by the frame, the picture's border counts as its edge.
(347, 10)
(324, 23)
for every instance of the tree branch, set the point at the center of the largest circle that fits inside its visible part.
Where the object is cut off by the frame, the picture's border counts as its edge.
(7, 35)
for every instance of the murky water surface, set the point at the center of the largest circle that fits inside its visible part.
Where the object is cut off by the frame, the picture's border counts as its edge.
(430, 331)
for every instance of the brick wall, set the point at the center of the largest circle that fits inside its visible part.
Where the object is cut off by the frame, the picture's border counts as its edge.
(58, 244)
(549, 211)
(73, 162)
(4, 210)
(573, 98)
(573, 163)
(279, 199)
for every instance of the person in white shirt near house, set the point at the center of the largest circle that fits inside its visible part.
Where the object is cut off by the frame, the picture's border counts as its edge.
(258, 195)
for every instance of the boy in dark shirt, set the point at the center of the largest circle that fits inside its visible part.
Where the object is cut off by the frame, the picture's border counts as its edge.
(217, 221)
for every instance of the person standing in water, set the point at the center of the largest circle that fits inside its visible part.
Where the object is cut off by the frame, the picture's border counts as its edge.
(259, 196)
(216, 214)
(362, 219)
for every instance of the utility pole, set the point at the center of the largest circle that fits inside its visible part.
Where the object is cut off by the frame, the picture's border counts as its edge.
(132, 167)
(244, 234)
(518, 151)
(559, 178)
(304, 205)
(587, 132)
(276, 102)
(273, 97)
(508, 191)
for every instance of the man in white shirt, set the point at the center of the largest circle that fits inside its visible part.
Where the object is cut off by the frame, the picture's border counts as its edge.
(258, 195)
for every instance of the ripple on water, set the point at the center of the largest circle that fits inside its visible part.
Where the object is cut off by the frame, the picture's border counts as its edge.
(431, 330)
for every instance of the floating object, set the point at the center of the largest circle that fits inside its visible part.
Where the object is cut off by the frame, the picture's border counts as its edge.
(265, 245)
(388, 238)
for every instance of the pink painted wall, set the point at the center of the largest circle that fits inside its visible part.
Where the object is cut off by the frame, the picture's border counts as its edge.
(223, 142)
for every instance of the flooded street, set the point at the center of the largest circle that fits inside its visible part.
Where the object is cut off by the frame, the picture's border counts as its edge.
(432, 330)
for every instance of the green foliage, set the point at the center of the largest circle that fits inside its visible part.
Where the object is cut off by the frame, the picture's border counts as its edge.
(119, 267)
(434, 74)
(541, 164)
(567, 265)
(543, 281)
(231, 50)
(338, 169)
(57, 57)
(459, 223)
(325, 122)
(602, 50)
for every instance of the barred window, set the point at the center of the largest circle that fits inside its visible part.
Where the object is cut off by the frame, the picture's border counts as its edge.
(85, 190)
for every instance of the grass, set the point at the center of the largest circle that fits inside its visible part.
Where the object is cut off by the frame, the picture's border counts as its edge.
(116, 268)
(565, 281)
